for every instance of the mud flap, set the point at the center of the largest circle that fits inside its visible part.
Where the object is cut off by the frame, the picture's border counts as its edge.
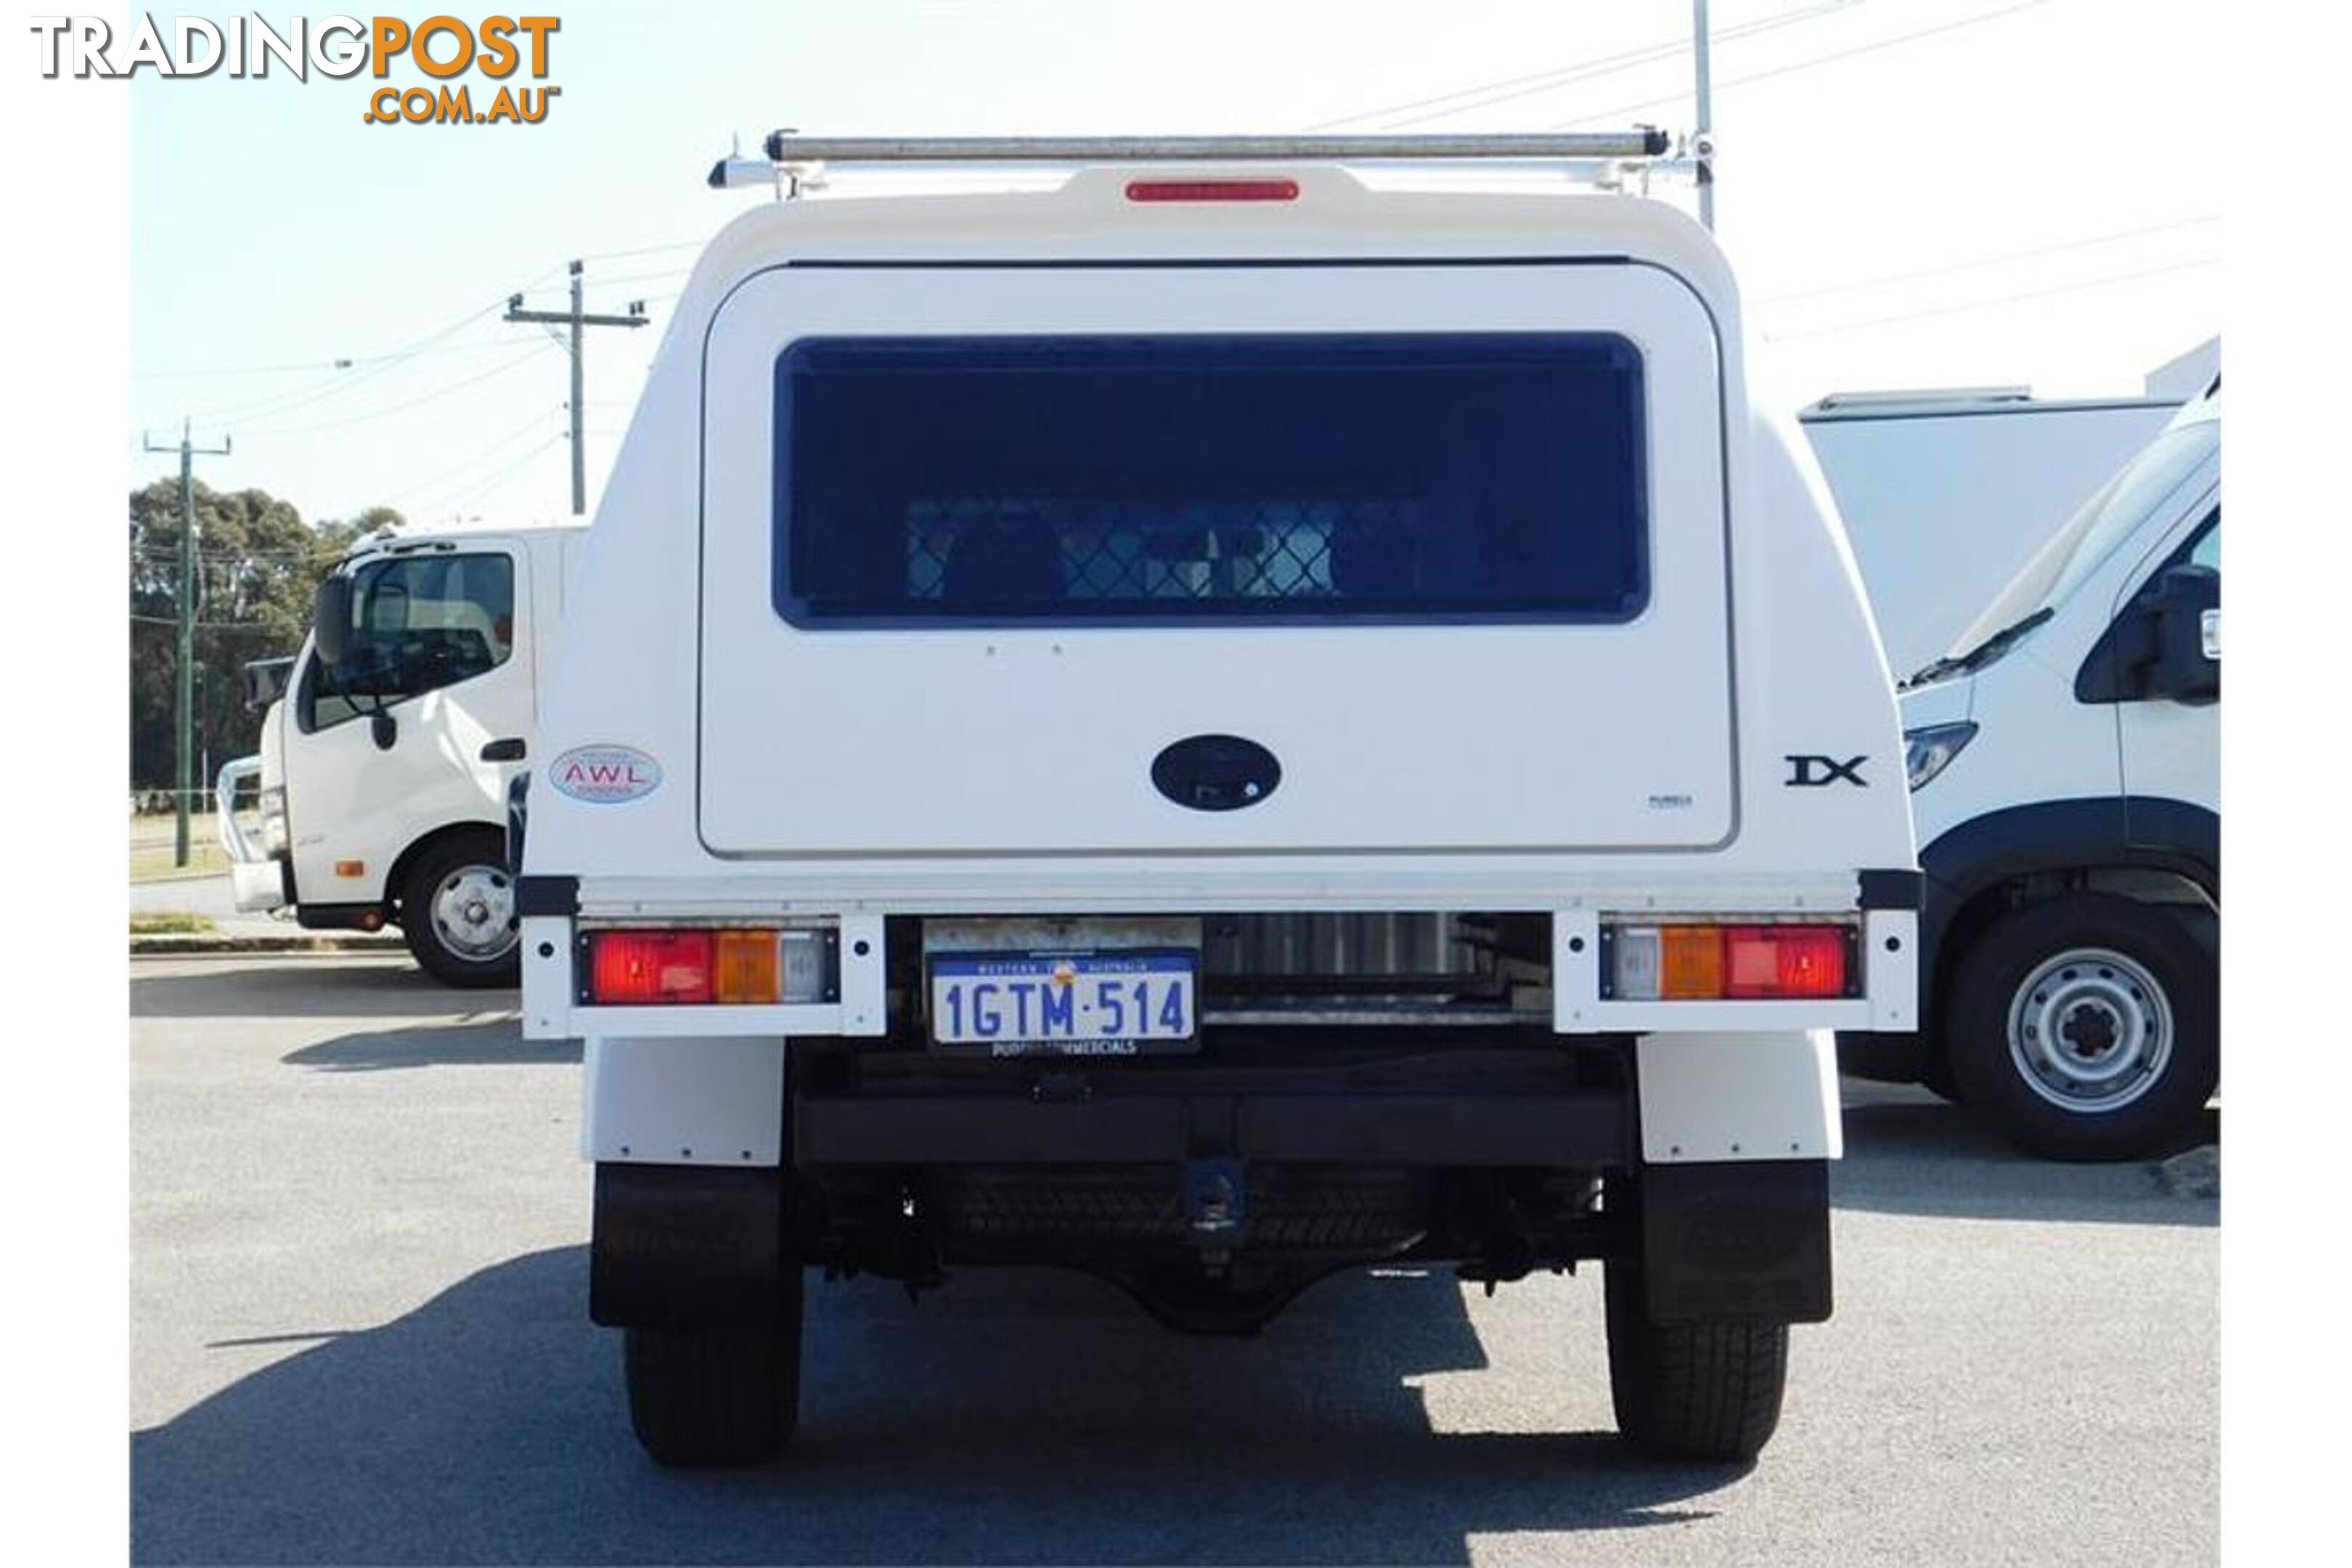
(685, 1246)
(1744, 1240)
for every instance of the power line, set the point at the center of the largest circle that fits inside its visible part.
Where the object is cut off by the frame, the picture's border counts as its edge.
(434, 396)
(2075, 287)
(284, 403)
(1623, 110)
(627, 255)
(666, 272)
(1983, 261)
(222, 557)
(490, 484)
(1504, 91)
(208, 625)
(427, 486)
(338, 365)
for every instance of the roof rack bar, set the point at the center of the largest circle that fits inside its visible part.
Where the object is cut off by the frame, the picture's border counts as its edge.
(788, 147)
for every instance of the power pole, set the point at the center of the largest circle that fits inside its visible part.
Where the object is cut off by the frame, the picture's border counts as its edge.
(1702, 135)
(187, 618)
(575, 319)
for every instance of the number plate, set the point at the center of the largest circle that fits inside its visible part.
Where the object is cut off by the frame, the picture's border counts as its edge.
(1116, 1003)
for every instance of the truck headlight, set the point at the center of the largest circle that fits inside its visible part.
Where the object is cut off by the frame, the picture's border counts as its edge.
(1927, 752)
(273, 819)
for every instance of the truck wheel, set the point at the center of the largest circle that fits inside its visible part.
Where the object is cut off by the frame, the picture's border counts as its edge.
(1691, 1391)
(700, 1397)
(2086, 1028)
(457, 911)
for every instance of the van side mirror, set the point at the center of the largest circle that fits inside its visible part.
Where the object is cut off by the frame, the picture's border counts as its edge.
(2185, 600)
(2166, 643)
(330, 618)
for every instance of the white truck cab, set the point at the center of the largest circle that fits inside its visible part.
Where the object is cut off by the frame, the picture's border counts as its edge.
(1242, 712)
(383, 773)
(2064, 760)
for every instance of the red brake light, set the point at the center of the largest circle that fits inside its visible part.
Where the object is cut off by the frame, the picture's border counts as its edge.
(643, 966)
(1784, 960)
(1211, 190)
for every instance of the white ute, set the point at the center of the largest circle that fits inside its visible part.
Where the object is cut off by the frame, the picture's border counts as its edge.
(1242, 711)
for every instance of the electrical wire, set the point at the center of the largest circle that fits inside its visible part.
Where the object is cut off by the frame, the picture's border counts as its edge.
(1622, 110)
(434, 396)
(2076, 287)
(1510, 89)
(644, 250)
(490, 484)
(425, 486)
(341, 382)
(1983, 261)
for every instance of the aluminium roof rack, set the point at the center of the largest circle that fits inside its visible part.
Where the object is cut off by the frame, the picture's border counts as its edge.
(791, 155)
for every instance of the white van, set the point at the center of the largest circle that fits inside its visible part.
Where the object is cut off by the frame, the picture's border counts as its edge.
(1233, 714)
(383, 773)
(1946, 494)
(2065, 759)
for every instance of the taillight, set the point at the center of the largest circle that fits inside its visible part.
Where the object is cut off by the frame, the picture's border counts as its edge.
(1784, 960)
(1211, 190)
(747, 968)
(1694, 961)
(632, 967)
(738, 966)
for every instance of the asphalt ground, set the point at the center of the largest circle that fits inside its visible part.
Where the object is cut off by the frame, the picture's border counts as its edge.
(359, 1333)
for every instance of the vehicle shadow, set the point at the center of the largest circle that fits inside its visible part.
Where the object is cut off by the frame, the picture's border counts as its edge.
(1019, 1417)
(1906, 1151)
(492, 1042)
(296, 987)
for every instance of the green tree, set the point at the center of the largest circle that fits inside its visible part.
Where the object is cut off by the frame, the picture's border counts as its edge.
(258, 563)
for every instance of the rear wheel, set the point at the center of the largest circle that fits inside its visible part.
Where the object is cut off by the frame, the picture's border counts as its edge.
(710, 1396)
(1691, 1391)
(2086, 1028)
(457, 911)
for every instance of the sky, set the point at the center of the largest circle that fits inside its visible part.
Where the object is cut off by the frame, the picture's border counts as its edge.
(1916, 192)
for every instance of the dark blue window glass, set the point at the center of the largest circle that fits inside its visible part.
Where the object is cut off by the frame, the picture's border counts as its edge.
(1184, 480)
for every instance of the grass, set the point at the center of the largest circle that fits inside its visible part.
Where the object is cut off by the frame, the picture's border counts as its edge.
(168, 922)
(151, 848)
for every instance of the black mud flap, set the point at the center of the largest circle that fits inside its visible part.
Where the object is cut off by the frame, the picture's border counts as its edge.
(1748, 1241)
(685, 1246)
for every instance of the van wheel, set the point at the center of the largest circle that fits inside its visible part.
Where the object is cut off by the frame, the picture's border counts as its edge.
(2086, 1028)
(1691, 1391)
(703, 1397)
(457, 911)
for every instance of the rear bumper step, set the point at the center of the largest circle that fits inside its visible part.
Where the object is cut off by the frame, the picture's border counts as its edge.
(1579, 1129)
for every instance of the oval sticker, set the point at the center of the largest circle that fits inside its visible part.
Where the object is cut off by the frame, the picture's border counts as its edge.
(605, 774)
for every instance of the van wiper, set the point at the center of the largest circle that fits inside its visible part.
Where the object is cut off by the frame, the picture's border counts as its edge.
(1977, 657)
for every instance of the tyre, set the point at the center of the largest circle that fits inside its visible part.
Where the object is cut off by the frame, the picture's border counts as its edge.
(1691, 1391)
(702, 1397)
(2086, 1028)
(457, 911)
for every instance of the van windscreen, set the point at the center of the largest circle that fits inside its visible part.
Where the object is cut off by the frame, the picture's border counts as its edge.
(1187, 481)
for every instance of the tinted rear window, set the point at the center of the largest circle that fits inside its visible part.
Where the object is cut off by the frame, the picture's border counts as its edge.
(1196, 480)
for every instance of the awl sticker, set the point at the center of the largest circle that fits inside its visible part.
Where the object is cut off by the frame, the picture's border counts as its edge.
(605, 775)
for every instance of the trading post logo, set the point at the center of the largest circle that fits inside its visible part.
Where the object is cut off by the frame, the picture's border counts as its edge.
(443, 48)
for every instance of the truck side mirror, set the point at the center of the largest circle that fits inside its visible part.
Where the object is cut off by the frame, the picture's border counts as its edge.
(2186, 604)
(265, 682)
(330, 618)
(383, 729)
